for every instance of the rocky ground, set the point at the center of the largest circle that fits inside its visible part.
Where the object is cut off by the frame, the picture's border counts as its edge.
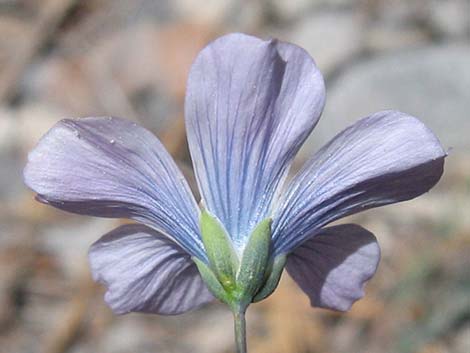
(101, 57)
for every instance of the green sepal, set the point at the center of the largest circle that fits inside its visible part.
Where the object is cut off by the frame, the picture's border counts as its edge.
(272, 279)
(222, 257)
(212, 282)
(251, 275)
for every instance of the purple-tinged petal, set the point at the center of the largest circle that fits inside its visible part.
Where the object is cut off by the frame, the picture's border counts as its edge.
(333, 266)
(382, 159)
(250, 104)
(111, 167)
(144, 271)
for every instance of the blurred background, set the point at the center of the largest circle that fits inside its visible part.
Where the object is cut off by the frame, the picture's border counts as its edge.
(63, 58)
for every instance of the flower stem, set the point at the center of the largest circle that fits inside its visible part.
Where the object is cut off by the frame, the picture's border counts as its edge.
(240, 331)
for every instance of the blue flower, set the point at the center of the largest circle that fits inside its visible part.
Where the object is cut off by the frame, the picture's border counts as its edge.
(249, 107)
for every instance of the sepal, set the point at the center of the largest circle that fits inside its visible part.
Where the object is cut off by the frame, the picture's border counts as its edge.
(212, 282)
(239, 283)
(273, 278)
(222, 257)
(254, 261)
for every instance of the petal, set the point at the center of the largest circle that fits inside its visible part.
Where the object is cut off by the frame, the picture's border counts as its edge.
(385, 158)
(144, 271)
(250, 104)
(334, 265)
(111, 167)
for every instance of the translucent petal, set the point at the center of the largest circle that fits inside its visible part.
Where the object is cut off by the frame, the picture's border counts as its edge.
(382, 159)
(250, 104)
(111, 167)
(333, 266)
(144, 271)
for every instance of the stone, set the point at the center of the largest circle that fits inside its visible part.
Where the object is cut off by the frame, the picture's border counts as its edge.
(10, 183)
(291, 9)
(330, 37)
(461, 341)
(430, 83)
(131, 334)
(295, 9)
(33, 121)
(450, 18)
(388, 37)
(69, 242)
(7, 129)
(219, 323)
(211, 12)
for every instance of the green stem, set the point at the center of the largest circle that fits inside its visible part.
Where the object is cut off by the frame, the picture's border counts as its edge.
(240, 331)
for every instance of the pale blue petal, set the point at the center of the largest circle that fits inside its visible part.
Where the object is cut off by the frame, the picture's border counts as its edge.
(110, 167)
(333, 266)
(382, 159)
(250, 105)
(144, 271)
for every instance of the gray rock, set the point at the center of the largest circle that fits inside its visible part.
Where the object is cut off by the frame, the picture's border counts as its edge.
(218, 321)
(69, 241)
(287, 10)
(292, 9)
(462, 340)
(387, 37)
(431, 83)
(10, 166)
(7, 129)
(33, 120)
(401, 12)
(131, 334)
(330, 37)
(212, 11)
(450, 18)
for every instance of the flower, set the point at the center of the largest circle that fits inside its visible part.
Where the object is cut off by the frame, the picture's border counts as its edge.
(250, 105)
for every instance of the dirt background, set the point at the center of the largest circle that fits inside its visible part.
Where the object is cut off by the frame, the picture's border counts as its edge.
(62, 58)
